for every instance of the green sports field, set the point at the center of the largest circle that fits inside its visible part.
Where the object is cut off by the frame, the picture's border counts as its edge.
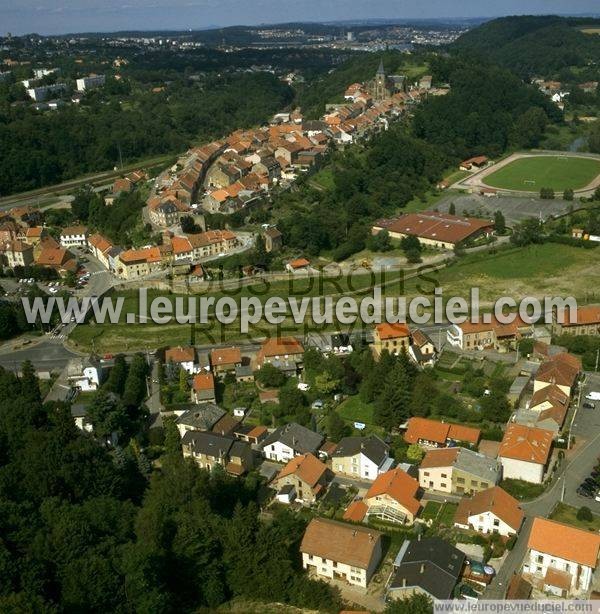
(556, 172)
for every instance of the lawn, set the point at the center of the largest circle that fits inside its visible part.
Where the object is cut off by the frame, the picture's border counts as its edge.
(568, 515)
(431, 510)
(356, 410)
(522, 491)
(556, 172)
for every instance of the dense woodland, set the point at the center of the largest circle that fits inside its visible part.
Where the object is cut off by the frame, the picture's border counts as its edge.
(86, 529)
(536, 45)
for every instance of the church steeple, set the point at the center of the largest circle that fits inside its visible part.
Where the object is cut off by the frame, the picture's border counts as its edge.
(380, 70)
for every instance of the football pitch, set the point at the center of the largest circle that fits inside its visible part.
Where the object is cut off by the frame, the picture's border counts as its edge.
(533, 173)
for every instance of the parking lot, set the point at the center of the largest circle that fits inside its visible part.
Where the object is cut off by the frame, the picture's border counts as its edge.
(514, 209)
(586, 430)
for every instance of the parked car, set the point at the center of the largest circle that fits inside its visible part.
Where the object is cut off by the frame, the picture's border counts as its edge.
(585, 493)
(588, 405)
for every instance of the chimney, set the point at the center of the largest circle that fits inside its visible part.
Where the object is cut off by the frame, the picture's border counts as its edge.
(403, 582)
(422, 570)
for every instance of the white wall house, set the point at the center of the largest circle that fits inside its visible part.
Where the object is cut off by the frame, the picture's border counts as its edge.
(86, 378)
(88, 83)
(75, 236)
(522, 470)
(278, 451)
(488, 522)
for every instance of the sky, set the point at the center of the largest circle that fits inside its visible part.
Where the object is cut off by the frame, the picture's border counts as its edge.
(70, 16)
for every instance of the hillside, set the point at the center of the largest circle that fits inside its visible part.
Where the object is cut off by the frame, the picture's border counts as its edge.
(536, 45)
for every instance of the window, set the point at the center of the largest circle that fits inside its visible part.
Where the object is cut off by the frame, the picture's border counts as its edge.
(334, 563)
(310, 557)
(539, 558)
(444, 475)
(484, 485)
(443, 485)
(496, 522)
(459, 480)
(426, 473)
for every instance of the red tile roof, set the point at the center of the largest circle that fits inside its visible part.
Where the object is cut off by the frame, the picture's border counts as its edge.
(399, 486)
(526, 443)
(356, 511)
(225, 356)
(180, 354)
(439, 432)
(279, 346)
(565, 542)
(436, 226)
(306, 467)
(203, 381)
(495, 500)
(392, 331)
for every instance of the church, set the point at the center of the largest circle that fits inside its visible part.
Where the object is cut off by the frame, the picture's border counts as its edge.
(383, 86)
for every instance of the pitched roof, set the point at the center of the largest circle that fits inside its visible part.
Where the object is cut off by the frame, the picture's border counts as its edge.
(299, 263)
(180, 354)
(562, 369)
(436, 226)
(565, 542)
(399, 486)
(225, 356)
(203, 381)
(306, 467)
(372, 447)
(295, 436)
(465, 460)
(210, 444)
(356, 511)
(201, 417)
(101, 243)
(549, 394)
(279, 346)
(73, 230)
(590, 314)
(439, 432)
(526, 443)
(430, 563)
(340, 542)
(495, 500)
(392, 331)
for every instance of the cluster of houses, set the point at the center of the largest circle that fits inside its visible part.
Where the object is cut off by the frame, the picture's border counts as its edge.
(234, 173)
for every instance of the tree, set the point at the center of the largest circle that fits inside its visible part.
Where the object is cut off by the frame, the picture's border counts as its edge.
(499, 222)
(392, 405)
(547, 194)
(380, 242)
(415, 453)
(452, 209)
(327, 383)
(415, 604)
(568, 194)
(336, 427)
(527, 232)
(107, 415)
(585, 514)
(270, 376)
(117, 376)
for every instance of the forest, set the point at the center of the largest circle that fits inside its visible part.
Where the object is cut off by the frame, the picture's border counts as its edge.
(534, 45)
(87, 528)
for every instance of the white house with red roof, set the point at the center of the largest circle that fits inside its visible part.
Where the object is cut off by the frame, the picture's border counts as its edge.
(525, 452)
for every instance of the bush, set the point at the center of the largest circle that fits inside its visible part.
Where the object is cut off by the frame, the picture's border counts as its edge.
(585, 514)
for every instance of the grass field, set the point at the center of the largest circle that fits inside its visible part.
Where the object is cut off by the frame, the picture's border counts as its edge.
(356, 410)
(556, 172)
(567, 514)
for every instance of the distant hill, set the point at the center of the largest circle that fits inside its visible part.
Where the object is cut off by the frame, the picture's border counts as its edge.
(536, 45)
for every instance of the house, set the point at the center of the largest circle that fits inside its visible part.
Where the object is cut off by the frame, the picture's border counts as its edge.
(279, 350)
(203, 388)
(429, 566)
(184, 357)
(254, 435)
(199, 418)
(210, 449)
(225, 360)
(85, 374)
(493, 334)
(273, 239)
(291, 440)
(297, 265)
(393, 497)
(341, 551)
(458, 471)
(394, 338)
(562, 371)
(585, 321)
(433, 433)
(525, 452)
(136, 263)
(550, 404)
(560, 558)
(90, 82)
(422, 349)
(74, 236)
(477, 162)
(490, 511)
(79, 415)
(361, 457)
(306, 475)
(57, 258)
(434, 229)
(17, 253)
(100, 248)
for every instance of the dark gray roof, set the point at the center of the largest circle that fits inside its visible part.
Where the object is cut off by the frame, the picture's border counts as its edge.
(297, 437)
(243, 370)
(202, 417)
(211, 444)
(79, 410)
(372, 447)
(239, 448)
(430, 563)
